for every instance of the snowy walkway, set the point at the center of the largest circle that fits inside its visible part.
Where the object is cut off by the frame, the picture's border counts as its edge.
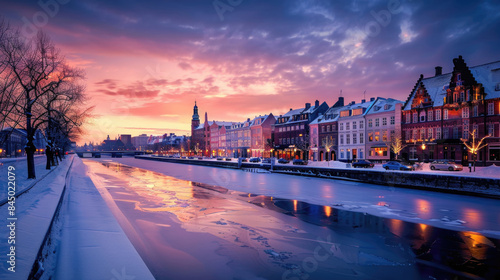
(93, 245)
(34, 211)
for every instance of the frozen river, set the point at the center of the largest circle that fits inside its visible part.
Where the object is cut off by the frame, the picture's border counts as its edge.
(191, 222)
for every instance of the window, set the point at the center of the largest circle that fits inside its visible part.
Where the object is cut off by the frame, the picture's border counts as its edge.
(341, 153)
(354, 125)
(430, 116)
(280, 129)
(361, 138)
(422, 134)
(445, 116)
(465, 112)
(341, 126)
(377, 122)
(361, 124)
(491, 109)
(347, 126)
(384, 121)
(377, 136)
(408, 116)
(468, 95)
(474, 111)
(414, 136)
(348, 139)
(301, 126)
(287, 128)
(455, 132)
(465, 133)
(438, 114)
(322, 129)
(491, 129)
(446, 133)
(281, 141)
(438, 133)
(422, 116)
(393, 120)
(370, 136)
(475, 128)
(341, 139)
(407, 134)
(354, 138)
(370, 123)
(415, 117)
(430, 134)
(462, 99)
(384, 136)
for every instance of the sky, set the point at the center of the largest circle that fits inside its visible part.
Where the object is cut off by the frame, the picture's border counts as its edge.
(146, 62)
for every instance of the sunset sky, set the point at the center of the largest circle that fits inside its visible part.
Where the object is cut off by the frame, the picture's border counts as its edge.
(146, 62)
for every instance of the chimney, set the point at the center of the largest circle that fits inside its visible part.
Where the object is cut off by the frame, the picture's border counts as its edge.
(439, 70)
(290, 109)
(363, 101)
(316, 104)
(339, 103)
(308, 105)
(372, 98)
(352, 103)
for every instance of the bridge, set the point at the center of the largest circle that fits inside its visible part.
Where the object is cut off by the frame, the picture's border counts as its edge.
(94, 154)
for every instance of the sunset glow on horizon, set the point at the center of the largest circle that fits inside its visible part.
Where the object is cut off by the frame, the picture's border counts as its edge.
(147, 62)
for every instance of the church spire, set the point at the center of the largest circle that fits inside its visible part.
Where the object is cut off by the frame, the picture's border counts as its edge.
(196, 117)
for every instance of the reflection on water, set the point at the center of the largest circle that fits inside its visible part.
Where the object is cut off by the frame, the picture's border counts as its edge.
(222, 234)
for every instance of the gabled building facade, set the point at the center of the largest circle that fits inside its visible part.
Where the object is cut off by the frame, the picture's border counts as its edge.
(443, 109)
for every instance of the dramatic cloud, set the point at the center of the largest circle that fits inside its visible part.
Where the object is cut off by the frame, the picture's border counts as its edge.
(152, 59)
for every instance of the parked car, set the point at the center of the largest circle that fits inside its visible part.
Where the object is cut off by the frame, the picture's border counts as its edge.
(219, 158)
(446, 165)
(190, 157)
(283, 161)
(266, 160)
(244, 159)
(97, 155)
(227, 159)
(200, 158)
(299, 162)
(254, 159)
(396, 165)
(363, 164)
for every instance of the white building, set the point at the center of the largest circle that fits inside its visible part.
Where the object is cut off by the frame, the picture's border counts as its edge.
(352, 130)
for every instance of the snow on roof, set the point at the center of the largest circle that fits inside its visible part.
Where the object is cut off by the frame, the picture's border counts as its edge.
(383, 105)
(487, 74)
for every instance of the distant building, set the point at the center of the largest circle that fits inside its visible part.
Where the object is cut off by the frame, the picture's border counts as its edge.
(127, 141)
(261, 130)
(13, 140)
(140, 142)
(112, 145)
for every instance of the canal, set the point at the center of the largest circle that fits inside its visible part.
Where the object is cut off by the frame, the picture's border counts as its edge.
(185, 229)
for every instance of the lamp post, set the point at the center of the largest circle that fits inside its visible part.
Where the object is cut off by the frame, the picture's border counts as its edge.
(423, 150)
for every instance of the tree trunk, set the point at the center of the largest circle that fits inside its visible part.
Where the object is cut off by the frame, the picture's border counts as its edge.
(30, 152)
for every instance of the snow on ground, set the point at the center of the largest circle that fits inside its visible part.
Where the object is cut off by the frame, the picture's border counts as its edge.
(433, 208)
(21, 173)
(93, 245)
(34, 211)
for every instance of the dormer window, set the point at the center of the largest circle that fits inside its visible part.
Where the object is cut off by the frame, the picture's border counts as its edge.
(459, 77)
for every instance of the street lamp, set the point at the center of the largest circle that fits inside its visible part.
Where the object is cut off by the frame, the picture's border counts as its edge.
(423, 151)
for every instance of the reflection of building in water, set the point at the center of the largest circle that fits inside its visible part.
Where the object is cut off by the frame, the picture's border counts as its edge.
(359, 220)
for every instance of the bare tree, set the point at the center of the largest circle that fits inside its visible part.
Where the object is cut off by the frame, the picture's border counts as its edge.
(474, 147)
(41, 77)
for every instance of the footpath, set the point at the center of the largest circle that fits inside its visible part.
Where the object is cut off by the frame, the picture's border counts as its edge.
(65, 230)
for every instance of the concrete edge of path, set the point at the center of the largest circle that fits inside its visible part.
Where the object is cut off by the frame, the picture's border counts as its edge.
(93, 245)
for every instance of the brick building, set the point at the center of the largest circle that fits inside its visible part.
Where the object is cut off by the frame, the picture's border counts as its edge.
(443, 109)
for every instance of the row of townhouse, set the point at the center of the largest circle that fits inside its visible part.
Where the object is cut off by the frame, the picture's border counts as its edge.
(356, 131)
(440, 113)
(251, 138)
